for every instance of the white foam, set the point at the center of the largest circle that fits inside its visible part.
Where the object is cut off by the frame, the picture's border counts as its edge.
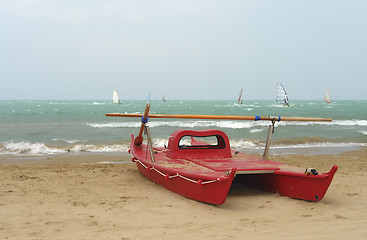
(243, 144)
(115, 125)
(224, 124)
(181, 124)
(320, 145)
(98, 103)
(354, 122)
(99, 148)
(256, 130)
(70, 141)
(29, 148)
(160, 142)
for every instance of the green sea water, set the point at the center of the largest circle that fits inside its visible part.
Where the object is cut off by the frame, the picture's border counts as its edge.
(71, 126)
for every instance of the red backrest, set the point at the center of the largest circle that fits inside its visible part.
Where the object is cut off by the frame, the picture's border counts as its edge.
(221, 149)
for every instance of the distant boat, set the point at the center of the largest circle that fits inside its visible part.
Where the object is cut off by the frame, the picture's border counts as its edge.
(240, 101)
(327, 97)
(282, 96)
(115, 97)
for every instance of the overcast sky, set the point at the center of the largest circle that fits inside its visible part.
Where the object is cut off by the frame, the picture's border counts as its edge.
(190, 49)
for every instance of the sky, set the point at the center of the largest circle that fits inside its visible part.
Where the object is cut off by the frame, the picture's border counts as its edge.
(190, 49)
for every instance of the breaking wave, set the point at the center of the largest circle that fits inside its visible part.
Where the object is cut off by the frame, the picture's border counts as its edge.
(224, 124)
(28, 148)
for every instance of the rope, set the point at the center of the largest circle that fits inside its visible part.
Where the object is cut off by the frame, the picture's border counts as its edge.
(144, 121)
(167, 176)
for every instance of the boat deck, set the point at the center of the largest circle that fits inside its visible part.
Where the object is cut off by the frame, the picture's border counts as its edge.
(217, 167)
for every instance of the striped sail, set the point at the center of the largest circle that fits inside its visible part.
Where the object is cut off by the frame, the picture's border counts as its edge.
(240, 101)
(115, 97)
(282, 96)
(327, 97)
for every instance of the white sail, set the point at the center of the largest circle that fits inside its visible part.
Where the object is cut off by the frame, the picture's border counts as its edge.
(115, 97)
(327, 97)
(282, 96)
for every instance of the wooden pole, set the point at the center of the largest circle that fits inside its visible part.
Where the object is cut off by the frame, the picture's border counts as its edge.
(222, 117)
(268, 141)
(150, 144)
(139, 139)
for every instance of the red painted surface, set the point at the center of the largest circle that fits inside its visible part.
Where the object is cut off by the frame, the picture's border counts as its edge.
(204, 172)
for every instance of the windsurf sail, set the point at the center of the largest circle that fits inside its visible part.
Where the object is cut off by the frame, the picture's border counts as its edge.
(327, 97)
(115, 97)
(282, 96)
(163, 99)
(240, 101)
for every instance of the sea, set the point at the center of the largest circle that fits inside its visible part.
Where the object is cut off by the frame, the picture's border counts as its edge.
(48, 127)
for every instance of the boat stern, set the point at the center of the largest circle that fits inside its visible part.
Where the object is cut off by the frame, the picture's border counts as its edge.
(308, 187)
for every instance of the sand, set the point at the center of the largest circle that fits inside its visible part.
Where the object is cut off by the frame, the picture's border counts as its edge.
(75, 197)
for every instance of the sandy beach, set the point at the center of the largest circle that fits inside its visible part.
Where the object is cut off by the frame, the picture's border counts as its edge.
(77, 197)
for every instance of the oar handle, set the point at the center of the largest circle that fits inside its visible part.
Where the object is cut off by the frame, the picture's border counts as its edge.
(139, 139)
(222, 117)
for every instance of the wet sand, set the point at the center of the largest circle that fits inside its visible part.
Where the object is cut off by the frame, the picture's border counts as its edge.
(77, 197)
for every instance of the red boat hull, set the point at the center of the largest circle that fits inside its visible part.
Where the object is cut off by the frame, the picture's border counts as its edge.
(292, 184)
(213, 193)
(205, 172)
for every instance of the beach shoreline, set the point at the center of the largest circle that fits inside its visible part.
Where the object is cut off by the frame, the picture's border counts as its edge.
(123, 156)
(103, 196)
(67, 158)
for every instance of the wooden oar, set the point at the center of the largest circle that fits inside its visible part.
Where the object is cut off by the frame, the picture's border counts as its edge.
(139, 139)
(221, 117)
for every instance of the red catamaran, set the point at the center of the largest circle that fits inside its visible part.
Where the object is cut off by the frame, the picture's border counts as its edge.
(200, 165)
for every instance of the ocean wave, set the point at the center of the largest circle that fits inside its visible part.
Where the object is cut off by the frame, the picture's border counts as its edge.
(70, 141)
(99, 148)
(115, 125)
(349, 123)
(245, 144)
(354, 122)
(179, 124)
(96, 103)
(28, 148)
(256, 130)
(225, 124)
(321, 145)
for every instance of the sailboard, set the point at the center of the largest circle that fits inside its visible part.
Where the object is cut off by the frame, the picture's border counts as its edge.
(282, 96)
(115, 97)
(240, 100)
(327, 97)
